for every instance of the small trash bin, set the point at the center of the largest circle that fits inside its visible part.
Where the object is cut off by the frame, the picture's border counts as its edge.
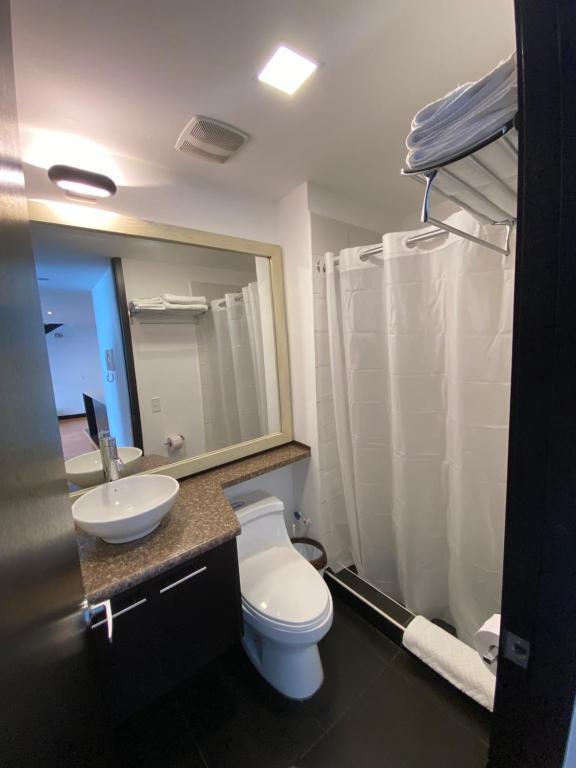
(312, 550)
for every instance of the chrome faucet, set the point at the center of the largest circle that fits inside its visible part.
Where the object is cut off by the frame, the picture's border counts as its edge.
(111, 463)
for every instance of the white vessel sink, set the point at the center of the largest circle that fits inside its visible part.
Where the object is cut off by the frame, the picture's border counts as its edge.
(126, 509)
(86, 470)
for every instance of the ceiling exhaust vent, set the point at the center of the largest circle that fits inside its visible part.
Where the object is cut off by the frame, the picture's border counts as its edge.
(211, 139)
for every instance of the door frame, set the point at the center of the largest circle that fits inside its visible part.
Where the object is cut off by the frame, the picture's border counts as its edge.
(536, 685)
(50, 707)
(124, 316)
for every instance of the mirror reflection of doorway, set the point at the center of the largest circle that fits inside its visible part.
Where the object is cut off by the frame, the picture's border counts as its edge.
(84, 344)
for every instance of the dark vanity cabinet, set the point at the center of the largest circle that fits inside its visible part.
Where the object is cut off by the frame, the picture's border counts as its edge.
(166, 628)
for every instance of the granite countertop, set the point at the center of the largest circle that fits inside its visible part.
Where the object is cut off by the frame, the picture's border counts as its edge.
(201, 519)
(145, 463)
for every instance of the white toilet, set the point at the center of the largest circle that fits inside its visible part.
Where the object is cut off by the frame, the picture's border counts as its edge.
(286, 604)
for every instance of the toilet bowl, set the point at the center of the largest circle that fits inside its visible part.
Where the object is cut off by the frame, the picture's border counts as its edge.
(286, 604)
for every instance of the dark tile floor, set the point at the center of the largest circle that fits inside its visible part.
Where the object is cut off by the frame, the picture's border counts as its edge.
(378, 707)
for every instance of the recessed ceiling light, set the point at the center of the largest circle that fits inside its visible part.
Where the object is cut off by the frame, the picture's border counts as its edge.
(287, 70)
(49, 312)
(85, 185)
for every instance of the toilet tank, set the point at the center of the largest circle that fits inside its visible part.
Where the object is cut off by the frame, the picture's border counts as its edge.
(261, 517)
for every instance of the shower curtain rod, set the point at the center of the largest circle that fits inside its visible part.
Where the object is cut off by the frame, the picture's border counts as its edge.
(379, 249)
(363, 257)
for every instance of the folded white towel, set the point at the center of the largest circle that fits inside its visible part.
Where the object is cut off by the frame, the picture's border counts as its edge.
(164, 305)
(463, 118)
(149, 300)
(172, 298)
(148, 305)
(200, 306)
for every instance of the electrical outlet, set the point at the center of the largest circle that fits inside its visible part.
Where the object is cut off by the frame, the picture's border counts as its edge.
(156, 404)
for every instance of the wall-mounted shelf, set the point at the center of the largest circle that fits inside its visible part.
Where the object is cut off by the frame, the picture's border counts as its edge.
(483, 181)
(163, 316)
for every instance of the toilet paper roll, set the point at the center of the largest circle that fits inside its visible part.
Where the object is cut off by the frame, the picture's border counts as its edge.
(174, 442)
(487, 640)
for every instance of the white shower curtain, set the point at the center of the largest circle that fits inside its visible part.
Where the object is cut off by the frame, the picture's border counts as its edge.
(232, 369)
(254, 327)
(420, 348)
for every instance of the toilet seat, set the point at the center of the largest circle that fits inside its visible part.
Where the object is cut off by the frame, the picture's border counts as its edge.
(282, 626)
(281, 588)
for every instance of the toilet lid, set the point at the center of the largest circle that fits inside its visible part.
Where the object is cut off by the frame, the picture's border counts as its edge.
(280, 584)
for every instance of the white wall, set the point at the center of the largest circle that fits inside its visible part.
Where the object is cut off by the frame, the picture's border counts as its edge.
(294, 226)
(305, 235)
(278, 483)
(166, 362)
(197, 206)
(110, 337)
(333, 205)
(151, 278)
(295, 232)
(206, 207)
(74, 366)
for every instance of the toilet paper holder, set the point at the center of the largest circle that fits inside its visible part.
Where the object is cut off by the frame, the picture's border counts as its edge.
(492, 655)
(170, 443)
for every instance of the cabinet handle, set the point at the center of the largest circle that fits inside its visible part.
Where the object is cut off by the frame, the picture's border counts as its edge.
(185, 578)
(119, 613)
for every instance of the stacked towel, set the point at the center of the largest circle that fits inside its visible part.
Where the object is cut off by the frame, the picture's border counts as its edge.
(463, 118)
(172, 298)
(171, 301)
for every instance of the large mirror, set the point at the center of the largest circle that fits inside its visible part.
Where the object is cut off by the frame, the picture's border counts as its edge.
(174, 348)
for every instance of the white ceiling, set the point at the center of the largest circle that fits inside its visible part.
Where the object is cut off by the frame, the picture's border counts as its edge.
(129, 75)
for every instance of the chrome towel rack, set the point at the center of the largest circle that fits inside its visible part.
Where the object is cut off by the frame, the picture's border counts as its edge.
(481, 181)
(164, 316)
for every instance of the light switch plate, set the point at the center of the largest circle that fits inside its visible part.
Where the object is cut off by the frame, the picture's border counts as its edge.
(110, 364)
(156, 404)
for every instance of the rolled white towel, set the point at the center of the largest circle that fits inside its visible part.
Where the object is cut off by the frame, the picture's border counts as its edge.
(451, 658)
(493, 91)
(464, 117)
(172, 298)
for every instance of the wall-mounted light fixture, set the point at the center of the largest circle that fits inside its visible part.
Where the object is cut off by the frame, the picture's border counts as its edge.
(80, 184)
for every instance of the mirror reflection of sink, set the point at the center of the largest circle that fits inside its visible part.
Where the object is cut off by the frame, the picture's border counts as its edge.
(86, 470)
(126, 509)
